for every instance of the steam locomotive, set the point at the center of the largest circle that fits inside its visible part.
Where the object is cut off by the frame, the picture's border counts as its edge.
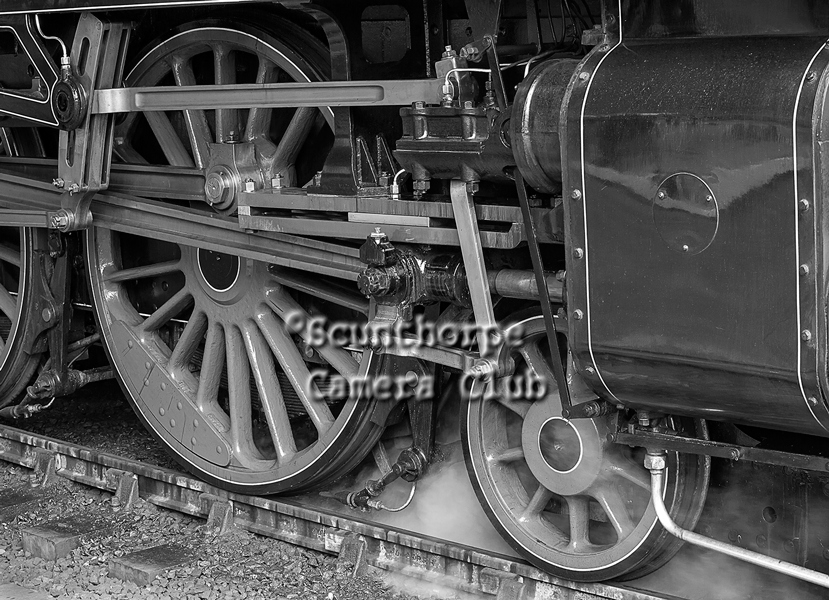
(256, 209)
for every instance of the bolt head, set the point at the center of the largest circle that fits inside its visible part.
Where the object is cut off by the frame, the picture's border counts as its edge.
(472, 187)
(655, 462)
(661, 194)
(59, 183)
(804, 269)
(575, 194)
(584, 76)
(578, 253)
(249, 185)
(804, 205)
(806, 335)
(578, 315)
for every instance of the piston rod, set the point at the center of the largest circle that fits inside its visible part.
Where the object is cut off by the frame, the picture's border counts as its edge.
(656, 463)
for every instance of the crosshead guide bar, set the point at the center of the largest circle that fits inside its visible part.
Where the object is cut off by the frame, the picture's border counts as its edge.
(459, 567)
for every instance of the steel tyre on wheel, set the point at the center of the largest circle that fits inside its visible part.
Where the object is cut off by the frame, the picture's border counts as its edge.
(199, 338)
(563, 496)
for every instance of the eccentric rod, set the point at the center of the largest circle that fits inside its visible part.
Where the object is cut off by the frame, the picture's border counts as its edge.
(656, 463)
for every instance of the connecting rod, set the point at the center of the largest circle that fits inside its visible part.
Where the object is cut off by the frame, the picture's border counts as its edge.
(656, 463)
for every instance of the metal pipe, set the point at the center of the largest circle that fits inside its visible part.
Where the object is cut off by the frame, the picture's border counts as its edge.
(516, 283)
(656, 463)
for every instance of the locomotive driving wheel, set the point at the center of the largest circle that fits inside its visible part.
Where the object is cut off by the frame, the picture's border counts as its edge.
(198, 337)
(563, 496)
(18, 247)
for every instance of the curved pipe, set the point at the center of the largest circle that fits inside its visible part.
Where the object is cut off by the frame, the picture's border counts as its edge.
(656, 464)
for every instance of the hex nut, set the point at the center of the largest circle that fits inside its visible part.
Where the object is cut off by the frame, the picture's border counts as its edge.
(655, 462)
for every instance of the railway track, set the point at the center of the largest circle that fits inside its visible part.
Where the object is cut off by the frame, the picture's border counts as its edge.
(453, 565)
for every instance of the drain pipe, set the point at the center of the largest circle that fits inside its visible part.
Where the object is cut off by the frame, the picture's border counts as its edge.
(656, 463)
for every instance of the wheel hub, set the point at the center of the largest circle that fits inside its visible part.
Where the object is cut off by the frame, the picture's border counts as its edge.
(565, 456)
(220, 271)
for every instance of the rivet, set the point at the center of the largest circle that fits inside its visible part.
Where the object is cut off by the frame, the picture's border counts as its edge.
(578, 315)
(172, 422)
(129, 344)
(147, 365)
(709, 198)
(584, 75)
(810, 76)
(218, 449)
(193, 441)
(578, 253)
(575, 194)
(685, 247)
(590, 369)
(178, 406)
(804, 269)
(161, 411)
(805, 335)
(812, 400)
(660, 194)
(163, 386)
(804, 205)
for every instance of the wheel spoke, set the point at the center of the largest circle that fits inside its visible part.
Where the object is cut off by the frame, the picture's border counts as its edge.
(616, 509)
(579, 509)
(168, 310)
(224, 67)
(172, 146)
(537, 503)
(291, 143)
(294, 366)
(510, 455)
(210, 378)
(8, 306)
(197, 128)
(619, 466)
(124, 150)
(339, 358)
(10, 255)
(238, 379)
(518, 406)
(259, 119)
(270, 394)
(189, 341)
(164, 268)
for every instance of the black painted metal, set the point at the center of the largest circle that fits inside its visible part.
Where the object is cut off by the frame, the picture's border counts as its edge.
(718, 331)
(684, 18)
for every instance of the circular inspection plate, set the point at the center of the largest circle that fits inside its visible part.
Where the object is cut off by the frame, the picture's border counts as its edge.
(686, 213)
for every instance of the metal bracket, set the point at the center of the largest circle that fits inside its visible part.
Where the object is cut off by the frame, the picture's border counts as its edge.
(85, 153)
(33, 104)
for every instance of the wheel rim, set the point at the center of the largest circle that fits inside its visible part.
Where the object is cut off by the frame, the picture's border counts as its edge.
(198, 337)
(17, 245)
(560, 493)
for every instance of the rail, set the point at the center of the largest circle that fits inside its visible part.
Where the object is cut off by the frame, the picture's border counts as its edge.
(460, 567)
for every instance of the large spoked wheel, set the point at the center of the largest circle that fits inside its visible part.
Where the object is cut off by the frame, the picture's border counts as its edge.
(17, 285)
(563, 496)
(199, 338)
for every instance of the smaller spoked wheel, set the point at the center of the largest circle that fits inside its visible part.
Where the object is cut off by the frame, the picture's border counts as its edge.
(559, 492)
